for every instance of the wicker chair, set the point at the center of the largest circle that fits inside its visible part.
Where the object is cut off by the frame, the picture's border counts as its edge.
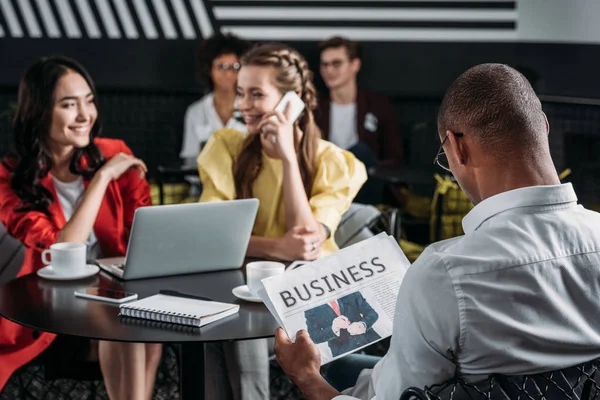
(577, 382)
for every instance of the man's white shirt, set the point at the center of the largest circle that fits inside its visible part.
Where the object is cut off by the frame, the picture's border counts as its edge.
(517, 294)
(342, 130)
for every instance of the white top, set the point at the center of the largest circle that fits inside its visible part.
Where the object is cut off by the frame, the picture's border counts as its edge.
(201, 120)
(69, 195)
(342, 129)
(517, 294)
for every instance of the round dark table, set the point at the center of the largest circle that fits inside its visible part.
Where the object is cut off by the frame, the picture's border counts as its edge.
(51, 306)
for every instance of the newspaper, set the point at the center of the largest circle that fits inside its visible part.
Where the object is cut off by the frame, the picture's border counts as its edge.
(345, 301)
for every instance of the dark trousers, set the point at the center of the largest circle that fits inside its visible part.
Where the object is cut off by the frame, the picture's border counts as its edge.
(343, 372)
(372, 191)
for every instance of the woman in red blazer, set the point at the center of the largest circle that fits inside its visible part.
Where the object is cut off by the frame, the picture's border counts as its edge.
(56, 146)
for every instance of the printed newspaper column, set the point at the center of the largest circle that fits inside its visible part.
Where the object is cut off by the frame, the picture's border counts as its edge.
(345, 301)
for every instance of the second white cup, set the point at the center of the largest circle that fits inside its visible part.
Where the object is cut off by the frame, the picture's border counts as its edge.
(66, 258)
(259, 270)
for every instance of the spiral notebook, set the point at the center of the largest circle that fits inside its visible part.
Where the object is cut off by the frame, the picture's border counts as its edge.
(147, 323)
(178, 310)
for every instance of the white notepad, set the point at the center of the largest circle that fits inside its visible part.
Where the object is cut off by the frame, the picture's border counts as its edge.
(178, 310)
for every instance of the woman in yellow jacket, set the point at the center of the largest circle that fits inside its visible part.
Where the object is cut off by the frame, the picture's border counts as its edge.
(304, 183)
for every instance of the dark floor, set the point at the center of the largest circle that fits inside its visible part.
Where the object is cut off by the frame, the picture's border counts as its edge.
(29, 383)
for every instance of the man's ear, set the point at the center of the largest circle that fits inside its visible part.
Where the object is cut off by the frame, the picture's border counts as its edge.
(547, 123)
(457, 146)
(356, 64)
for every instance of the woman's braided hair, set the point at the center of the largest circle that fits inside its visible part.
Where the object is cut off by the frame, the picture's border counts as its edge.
(291, 74)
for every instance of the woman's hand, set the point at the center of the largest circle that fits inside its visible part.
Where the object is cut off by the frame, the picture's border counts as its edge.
(301, 243)
(121, 163)
(277, 132)
(80, 225)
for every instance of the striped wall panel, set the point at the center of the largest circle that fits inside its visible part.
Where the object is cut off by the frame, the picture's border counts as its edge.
(425, 20)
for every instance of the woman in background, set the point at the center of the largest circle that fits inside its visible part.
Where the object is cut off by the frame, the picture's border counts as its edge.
(63, 184)
(304, 184)
(218, 66)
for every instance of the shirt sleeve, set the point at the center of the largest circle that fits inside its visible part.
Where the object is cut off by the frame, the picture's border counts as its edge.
(215, 166)
(339, 177)
(426, 336)
(196, 130)
(370, 316)
(135, 192)
(33, 228)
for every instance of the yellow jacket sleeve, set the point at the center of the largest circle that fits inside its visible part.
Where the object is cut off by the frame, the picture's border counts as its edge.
(215, 166)
(339, 177)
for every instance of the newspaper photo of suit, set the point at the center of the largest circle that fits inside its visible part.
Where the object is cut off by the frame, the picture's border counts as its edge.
(345, 324)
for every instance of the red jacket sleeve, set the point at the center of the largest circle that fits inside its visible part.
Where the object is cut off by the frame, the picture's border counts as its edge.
(33, 228)
(135, 192)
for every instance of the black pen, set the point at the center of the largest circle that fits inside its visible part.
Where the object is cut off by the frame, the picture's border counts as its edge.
(176, 293)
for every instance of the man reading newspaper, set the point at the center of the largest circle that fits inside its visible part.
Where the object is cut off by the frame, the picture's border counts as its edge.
(518, 293)
(344, 301)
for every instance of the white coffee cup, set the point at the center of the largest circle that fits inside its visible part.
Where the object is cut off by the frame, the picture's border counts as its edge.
(258, 270)
(66, 258)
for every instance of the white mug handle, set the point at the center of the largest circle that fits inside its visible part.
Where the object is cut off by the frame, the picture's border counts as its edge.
(44, 258)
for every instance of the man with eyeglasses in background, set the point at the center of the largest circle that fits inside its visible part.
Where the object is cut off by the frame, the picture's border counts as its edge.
(356, 119)
(517, 294)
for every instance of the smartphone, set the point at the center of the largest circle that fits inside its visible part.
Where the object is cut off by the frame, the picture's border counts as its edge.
(295, 102)
(108, 295)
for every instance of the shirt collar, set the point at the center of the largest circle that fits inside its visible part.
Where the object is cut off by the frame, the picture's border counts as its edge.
(522, 197)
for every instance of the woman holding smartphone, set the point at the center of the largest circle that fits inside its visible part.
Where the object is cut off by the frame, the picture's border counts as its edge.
(64, 184)
(304, 183)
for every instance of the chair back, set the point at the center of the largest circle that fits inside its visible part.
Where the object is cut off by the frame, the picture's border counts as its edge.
(12, 254)
(355, 224)
(578, 382)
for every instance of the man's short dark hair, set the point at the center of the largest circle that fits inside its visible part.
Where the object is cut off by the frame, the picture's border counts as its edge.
(497, 106)
(352, 48)
(213, 47)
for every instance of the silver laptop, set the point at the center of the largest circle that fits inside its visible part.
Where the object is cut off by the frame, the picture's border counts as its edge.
(185, 239)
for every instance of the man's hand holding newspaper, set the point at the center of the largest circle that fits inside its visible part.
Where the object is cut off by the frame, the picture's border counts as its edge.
(344, 301)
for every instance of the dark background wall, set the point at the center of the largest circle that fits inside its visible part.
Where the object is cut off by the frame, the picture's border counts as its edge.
(431, 50)
(405, 69)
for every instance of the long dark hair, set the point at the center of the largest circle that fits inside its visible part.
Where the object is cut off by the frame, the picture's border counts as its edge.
(291, 73)
(30, 161)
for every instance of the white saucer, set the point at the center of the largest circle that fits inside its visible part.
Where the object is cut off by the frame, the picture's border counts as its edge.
(48, 273)
(242, 292)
